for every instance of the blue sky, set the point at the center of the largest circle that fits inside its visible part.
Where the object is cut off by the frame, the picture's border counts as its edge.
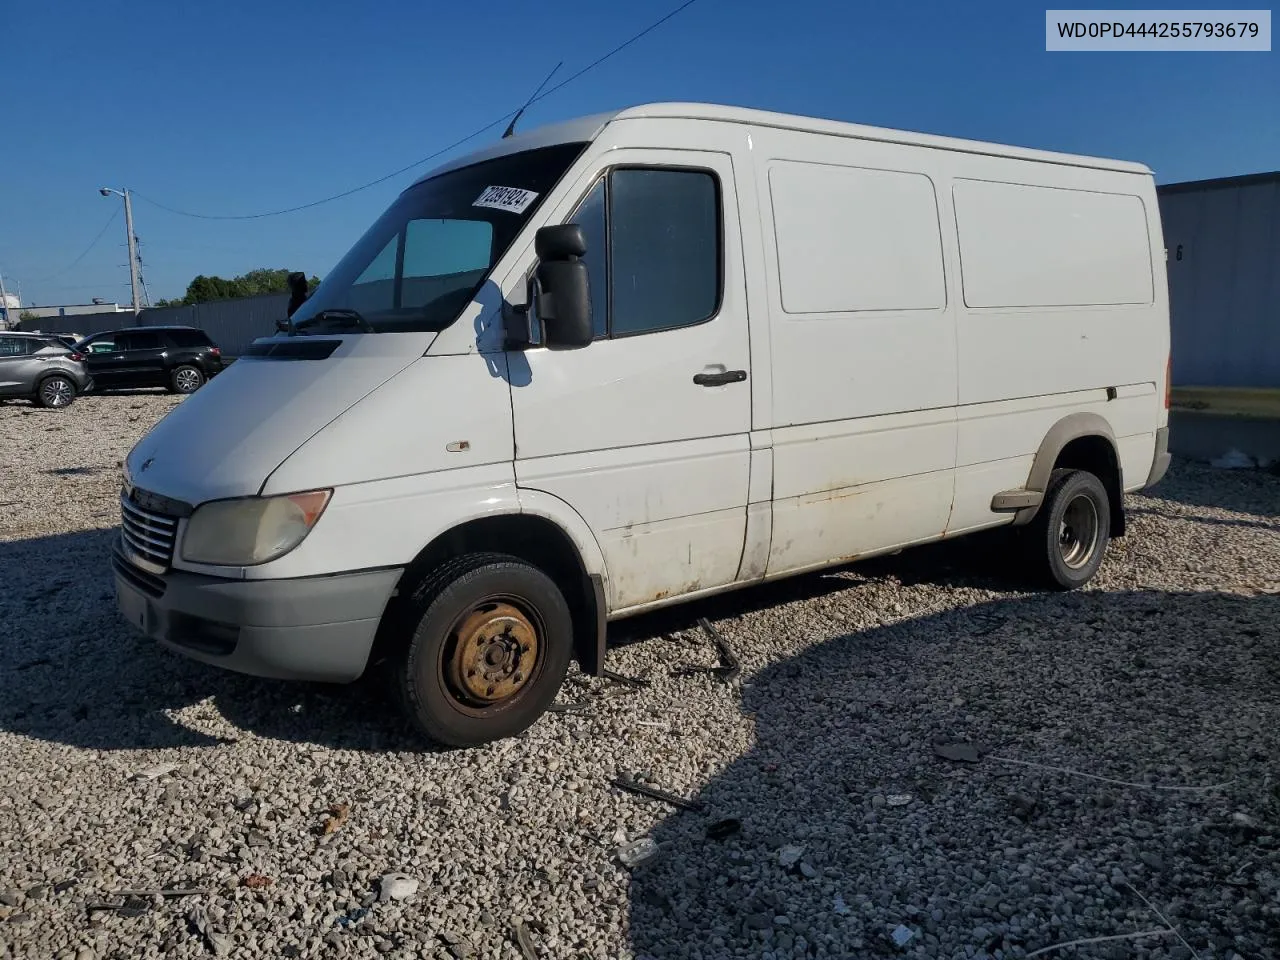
(239, 107)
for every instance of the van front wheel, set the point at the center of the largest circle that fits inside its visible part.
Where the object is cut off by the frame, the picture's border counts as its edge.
(490, 647)
(1069, 535)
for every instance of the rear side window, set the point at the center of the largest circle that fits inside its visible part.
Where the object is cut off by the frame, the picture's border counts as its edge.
(653, 249)
(187, 339)
(139, 340)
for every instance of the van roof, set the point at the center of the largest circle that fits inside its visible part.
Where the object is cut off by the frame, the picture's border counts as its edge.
(581, 129)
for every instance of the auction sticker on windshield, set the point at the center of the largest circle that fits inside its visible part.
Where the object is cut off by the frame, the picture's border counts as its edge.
(510, 199)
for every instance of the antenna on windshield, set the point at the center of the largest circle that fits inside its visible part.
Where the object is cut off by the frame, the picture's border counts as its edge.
(511, 127)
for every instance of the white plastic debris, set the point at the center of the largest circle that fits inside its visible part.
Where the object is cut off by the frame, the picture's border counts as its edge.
(901, 935)
(637, 852)
(396, 886)
(1233, 459)
(790, 855)
(155, 772)
(898, 799)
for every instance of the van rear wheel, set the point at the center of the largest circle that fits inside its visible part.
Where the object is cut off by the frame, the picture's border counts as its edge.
(489, 650)
(1068, 537)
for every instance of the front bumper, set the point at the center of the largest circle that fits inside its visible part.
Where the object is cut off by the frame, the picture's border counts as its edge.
(314, 628)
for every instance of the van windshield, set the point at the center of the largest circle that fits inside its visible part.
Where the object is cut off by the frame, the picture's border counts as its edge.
(424, 259)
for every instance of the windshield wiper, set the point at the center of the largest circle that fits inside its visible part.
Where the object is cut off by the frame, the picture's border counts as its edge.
(339, 317)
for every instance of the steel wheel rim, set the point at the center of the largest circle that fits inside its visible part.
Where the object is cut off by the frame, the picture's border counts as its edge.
(1078, 532)
(188, 380)
(56, 392)
(492, 655)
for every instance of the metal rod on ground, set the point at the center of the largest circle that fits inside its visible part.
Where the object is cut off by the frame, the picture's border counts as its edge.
(630, 785)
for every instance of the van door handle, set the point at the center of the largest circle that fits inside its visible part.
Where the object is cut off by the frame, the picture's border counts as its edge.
(719, 379)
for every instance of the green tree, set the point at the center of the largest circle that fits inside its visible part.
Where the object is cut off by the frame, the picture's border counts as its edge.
(204, 289)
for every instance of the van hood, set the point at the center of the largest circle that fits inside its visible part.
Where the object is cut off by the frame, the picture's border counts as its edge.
(226, 438)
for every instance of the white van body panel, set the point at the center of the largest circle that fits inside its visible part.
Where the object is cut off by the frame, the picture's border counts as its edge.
(437, 415)
(226, 438)
(862, 342)
(1063, 295)
(657, 465)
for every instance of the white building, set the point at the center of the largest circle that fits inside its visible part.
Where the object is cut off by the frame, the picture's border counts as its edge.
(10, 304)
(74, 309)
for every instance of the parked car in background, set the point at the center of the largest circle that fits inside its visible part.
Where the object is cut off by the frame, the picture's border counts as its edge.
(181, 359)
(42, 369)
(68, 340)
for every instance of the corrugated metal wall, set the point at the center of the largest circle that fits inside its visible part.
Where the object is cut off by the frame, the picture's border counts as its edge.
(231, 324)
(1223, 238)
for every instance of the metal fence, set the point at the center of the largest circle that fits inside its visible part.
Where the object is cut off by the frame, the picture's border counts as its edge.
(231, 324)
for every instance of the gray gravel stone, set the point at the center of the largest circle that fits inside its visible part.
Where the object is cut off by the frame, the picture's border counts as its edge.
(1163, 672)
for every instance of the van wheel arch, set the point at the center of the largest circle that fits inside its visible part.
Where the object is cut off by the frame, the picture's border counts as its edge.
(1081, 441)
(528, 537)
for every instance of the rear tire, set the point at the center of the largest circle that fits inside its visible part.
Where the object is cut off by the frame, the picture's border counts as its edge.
(490, 645)
(186, 379)
(1068, 538)
(56, 392)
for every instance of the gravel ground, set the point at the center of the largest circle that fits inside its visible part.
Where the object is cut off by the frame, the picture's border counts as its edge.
(1156, 693)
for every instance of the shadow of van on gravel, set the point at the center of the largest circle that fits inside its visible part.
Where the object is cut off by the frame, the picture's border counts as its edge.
(72, 671)
(1170, 689)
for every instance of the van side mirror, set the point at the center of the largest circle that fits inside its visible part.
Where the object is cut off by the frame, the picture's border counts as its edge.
(561, 289)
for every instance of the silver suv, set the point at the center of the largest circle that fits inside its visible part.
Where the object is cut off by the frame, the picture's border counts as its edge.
(41, 368)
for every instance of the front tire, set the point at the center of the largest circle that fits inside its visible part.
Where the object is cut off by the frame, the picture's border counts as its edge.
(56, 392)
(186, 379)
(489, 650)
(1069, 536)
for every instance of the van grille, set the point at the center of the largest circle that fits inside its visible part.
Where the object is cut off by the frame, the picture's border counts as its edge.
(146, 536)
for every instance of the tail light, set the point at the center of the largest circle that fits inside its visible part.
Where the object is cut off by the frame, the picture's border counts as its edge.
(1168, 383)
(78, 357)
(215, 351)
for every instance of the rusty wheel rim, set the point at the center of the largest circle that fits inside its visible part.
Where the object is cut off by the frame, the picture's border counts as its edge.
(493, 654)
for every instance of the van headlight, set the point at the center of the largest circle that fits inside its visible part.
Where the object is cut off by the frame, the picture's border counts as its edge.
(252, 530)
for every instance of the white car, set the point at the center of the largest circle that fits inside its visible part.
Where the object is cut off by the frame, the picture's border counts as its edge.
(628, 360)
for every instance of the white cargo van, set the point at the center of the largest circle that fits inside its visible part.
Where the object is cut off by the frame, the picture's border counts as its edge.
(632, 359)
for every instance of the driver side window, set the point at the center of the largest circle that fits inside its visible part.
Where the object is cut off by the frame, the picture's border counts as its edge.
(653, 249)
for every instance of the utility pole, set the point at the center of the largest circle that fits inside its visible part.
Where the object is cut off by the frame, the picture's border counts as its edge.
(133, 252)
(4, 304)
(133, 243)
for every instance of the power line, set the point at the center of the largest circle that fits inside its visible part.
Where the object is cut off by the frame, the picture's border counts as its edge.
(92, 243)
(417, 163)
